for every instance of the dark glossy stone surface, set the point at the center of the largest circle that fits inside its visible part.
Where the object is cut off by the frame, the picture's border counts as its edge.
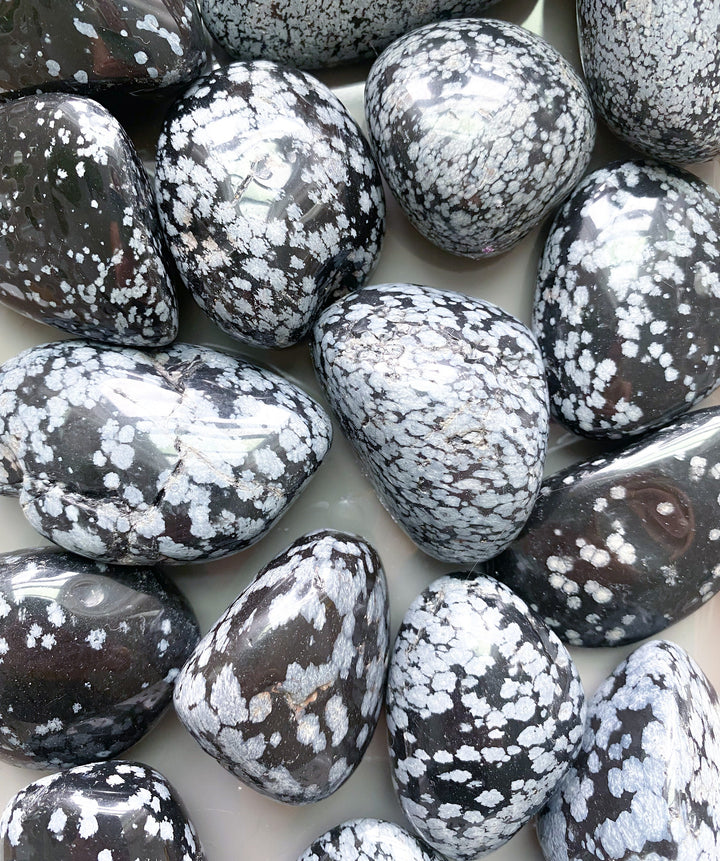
(628, 299)
(481, 128)
(103, 811)
(366, 840)
(646, 783)
(88, 656)
(79, 238)
(653, 69)
(286, 688)
(444, 401)
(270, 199)
(136, 457)
(620, 547)
(485, 713)
(88, 47)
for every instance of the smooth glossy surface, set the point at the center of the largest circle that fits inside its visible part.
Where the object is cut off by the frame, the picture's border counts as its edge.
(366, 840)
(270, 200)
(90, 47)
(622, 546)
(88, 656)
(480, 129)
(136, 457)
(99, 811)
(285, 689)
(80, 247)
(653, 69)
(628, 299)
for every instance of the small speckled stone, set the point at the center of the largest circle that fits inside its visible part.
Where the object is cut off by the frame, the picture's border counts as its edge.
(286, 688)
(481, 128)
(366, 840)
(90, 47)
(646, 783)
(620, 547)
(485, 714)
(88, 655)
(79, 237)
(443, 398)
(270, 199)
(137, 457)
(104, 811)
(653, 69)
(628, 300)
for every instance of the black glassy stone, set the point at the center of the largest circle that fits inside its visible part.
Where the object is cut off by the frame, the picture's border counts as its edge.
(366, 840)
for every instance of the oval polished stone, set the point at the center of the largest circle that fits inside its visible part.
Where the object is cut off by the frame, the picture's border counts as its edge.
(366, 840)
(646, 783)
(628, 300)
(620, 547)
(481, 128)
(90, 47)
(485, 713)
(317, 34)
(286, 688)
(270, 199)
(79, 237)
(103, 811)
(443, 398)
(137, 457)
(653, 69)
(88, 655)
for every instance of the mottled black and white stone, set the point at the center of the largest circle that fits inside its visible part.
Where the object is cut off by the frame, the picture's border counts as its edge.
(443, 398)
(646, 783)
(89, 47)
(286, 688)
(107, 811)
(270, 199)
(366, 840)
(485, 713)
(137, 457)
(653, 70)
(322, 32)
(481, 128)
(622, 546)
(88, 656)
(80, 243)
(628, 299)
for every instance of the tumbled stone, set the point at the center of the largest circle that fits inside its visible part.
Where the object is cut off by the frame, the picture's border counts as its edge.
(620, 547)
(366, 840)
(80, 244)
(136, 457)
(443, 398)
(485, 714)
(270, 199)
(286, 688)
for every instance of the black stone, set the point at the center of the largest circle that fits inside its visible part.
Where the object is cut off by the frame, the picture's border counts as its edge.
(620, 547)
(367, 840)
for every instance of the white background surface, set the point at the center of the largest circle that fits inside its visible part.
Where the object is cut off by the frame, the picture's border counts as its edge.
(235, 822)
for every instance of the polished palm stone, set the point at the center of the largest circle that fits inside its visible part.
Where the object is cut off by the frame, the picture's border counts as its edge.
(88, 656)
(80, 243)
(620, 547)
(646, 783)
(286, 688)
(366, 840)
(138, 457)
(89, 47)
(99, 812)
(628, 299)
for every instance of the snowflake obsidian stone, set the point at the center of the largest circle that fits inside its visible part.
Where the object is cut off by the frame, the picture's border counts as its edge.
(366, 840)
(270, 199)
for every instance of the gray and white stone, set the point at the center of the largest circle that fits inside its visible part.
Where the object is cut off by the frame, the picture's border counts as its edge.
(138, 457)
(270, 199)
(444, 400)
(646, 783)
(367, 840)
(286, 688)
(481, 129)
(653, 70)
(485, 714)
